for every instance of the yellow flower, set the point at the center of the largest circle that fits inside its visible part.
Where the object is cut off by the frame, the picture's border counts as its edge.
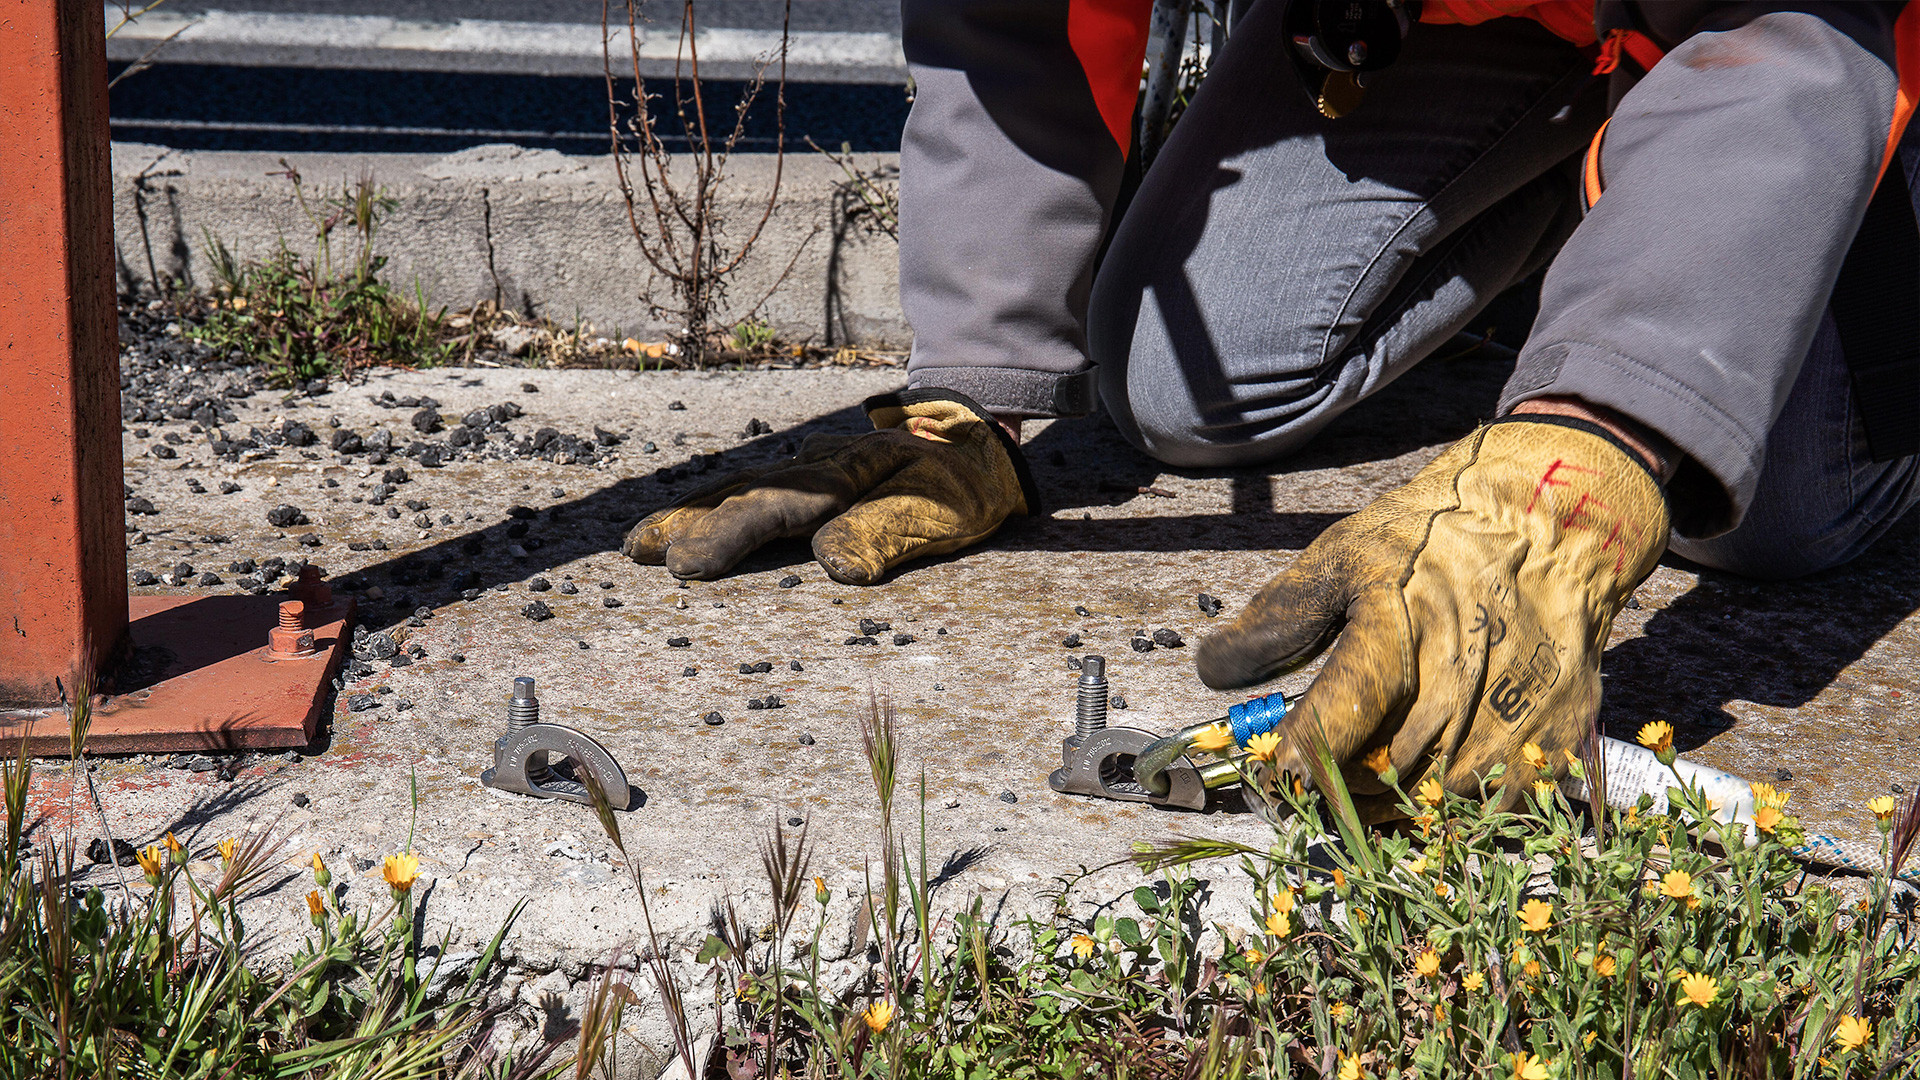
(1260, 989)
(1379, 760)
(1264, 745)
(1337, 1011)
(314, 907)
(1474, 981)
(1698, 989)
(1536, 916)
(1766, 819)
(1676, 885)
(1528, 1067)
(321, 875)
(1428, 964)
(1768, 795)
(1853, 1032)
(149, 857)
(1350, 1068)
(1213, 737)
(1543, 790)
(1604, 965)
(176, 849)
(820, 895)
(1882, 807)
(1534, 755)
(1431, 791)
(228, 849)
(1657, 736)
(1587, 1039)
(1441, 889)
(1283, 901)
(1279, 925)
(1417, 864)
(1339, 878)
(1082, 946)
(1252, 955)
(1532, 969)
(400, 872)
(879, 1015)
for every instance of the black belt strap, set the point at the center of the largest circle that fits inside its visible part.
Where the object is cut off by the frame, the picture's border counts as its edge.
(1876, 306)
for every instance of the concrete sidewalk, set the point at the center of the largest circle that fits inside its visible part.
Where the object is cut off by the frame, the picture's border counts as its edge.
(1809, 685)
(539, 231)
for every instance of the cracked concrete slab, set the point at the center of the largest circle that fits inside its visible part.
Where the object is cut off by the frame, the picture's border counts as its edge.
(1807, 684)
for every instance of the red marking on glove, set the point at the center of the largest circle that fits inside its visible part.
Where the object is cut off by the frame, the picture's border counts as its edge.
(1547, 480)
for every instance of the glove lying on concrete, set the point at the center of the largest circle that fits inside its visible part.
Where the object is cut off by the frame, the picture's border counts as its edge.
(937, 475)
(1472, 606)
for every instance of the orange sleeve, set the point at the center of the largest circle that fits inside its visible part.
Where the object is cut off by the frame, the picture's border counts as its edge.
(1570, 20)
(1906, 53)
(1110, 39)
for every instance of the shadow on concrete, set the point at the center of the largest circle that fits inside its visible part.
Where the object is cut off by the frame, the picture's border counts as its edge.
(1776, 643)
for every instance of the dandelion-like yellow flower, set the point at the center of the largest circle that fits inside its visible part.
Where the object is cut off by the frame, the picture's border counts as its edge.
(1587, 1039)
(1698, 989)
(321, 875)
(314, 906)
(1379, 760)
(1260, 989)
(1543, 790)
(149, 857)
(175, 849)
(400, 872)
(1431, 792)
(1768, 795)
(228, 849)
(878, 1016)
(1882, 807)
(1536, 916)
(1852, 1033)
(1213, 738)
(1283, 901)
(1676, 885)
(1427, 964)
(1604, 965)
(1337, 1011)
(1474, 981)
(1350, 1068)
(1528, 1067)
(1252, 955)
(1339, 878)
(1657, 736)
(1264, 745)
(1535, 756)
(1082, 946)
(1532, 969)
(1279, 924)
(1766, 819)
(1417, 864)
(820, 895)
(1441, 889)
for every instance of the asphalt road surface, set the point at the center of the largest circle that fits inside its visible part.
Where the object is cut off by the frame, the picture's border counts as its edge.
(440, 75)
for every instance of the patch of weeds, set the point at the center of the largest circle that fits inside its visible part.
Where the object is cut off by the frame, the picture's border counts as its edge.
(328, 313)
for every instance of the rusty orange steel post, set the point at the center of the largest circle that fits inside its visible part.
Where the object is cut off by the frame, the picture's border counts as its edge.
(63, 594)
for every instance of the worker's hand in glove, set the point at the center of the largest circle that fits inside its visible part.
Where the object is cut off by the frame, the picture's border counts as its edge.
(937, 474)
(1471, 606)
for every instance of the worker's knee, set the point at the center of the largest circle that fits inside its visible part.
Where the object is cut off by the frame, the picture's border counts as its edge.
(1770, 547)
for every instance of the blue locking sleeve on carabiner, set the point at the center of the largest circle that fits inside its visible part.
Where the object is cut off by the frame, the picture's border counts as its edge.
(1256, 717)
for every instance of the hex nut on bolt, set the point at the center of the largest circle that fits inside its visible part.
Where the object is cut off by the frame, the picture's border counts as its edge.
(291, 639)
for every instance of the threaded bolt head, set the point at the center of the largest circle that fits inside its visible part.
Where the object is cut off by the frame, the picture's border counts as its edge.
(523, 688)
(293, 615)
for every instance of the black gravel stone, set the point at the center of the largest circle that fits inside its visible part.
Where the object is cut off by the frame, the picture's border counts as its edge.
(377, 646)
(1081, 610)
(362, 702)
(870, 627)
(689, 671)
(610, 601)
(402, 660)
(529, 388)
(346, 441)
(755, 428)
(1071, 641)
(863, 639)
(426, 421)
(538, 611)
(904, 639)
(794, 665)
(714, 719)
(300, 799)
(790, 581)
(678, 642)
(756, 703)
(207, 579)
(228, 487)
(182, 573)
(521, 513)
(139, 505)
(241, 566)
(1118, 701)
(195, 487)
(1208, 604)
(942, 631)
(1168, 639)
(1141, 644)
(162, 451)
(285, 516)
(123, 853)
(1009, 797)
(394, 476)
(773, 702)
(568, 588)
(606, 584)
(309, 540)
(806, 739)
(1783, 775)
(1073, 663)
(539, 584)
(295, 433)
(676, 406)
(144, 577)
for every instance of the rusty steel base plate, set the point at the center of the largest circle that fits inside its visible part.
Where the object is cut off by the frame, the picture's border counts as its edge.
(200, 679)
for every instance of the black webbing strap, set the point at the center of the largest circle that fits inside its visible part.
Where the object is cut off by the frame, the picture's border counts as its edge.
(1876, 307)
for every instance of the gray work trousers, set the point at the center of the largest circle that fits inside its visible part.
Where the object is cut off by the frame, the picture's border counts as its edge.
(1276, 268)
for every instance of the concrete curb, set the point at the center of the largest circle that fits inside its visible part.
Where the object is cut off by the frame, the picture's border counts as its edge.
(542, 232)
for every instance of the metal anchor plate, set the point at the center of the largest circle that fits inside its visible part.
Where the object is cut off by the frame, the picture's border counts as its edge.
(520, 756)
(1102, 765)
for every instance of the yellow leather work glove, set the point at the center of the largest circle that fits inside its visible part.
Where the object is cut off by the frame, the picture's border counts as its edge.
(1472, 606)
(937, 474)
